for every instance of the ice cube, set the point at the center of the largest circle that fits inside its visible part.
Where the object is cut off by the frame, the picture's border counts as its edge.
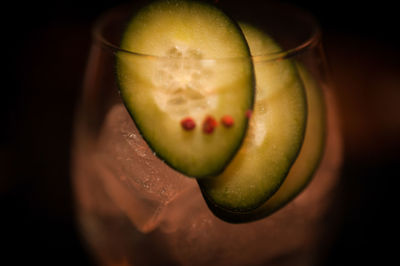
(135, 179)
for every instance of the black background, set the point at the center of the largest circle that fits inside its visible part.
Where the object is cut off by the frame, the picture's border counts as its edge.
(44, 51)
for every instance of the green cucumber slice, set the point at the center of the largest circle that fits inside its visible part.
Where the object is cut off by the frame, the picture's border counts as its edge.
(274, 137)
(310, 154)
(305, 165)
(185, 59)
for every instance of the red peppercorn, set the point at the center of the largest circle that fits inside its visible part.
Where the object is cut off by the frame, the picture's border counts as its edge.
(209, 124)
(188, 123)
(249, 113)
(227, 120)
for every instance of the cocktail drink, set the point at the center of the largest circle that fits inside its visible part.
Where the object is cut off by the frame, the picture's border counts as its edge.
(206, 139)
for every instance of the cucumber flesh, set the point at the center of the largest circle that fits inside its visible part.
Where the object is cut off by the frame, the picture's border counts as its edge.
(274, 137)
(186, 59)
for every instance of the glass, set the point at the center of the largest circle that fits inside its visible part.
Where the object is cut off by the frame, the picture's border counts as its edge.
(134, 210)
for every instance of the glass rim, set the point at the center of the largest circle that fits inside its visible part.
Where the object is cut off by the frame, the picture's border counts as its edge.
(310, 42)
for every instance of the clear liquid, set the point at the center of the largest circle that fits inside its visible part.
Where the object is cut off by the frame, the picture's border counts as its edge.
(135, 210)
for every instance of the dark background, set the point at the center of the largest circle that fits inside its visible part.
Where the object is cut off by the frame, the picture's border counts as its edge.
(44, 51)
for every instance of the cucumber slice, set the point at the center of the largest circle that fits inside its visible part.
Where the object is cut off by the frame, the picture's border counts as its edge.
(187, 61)
(310, 154)
(305, 165)
(275, 134)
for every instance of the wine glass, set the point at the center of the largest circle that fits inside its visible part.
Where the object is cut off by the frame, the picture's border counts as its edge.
(133, 209)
